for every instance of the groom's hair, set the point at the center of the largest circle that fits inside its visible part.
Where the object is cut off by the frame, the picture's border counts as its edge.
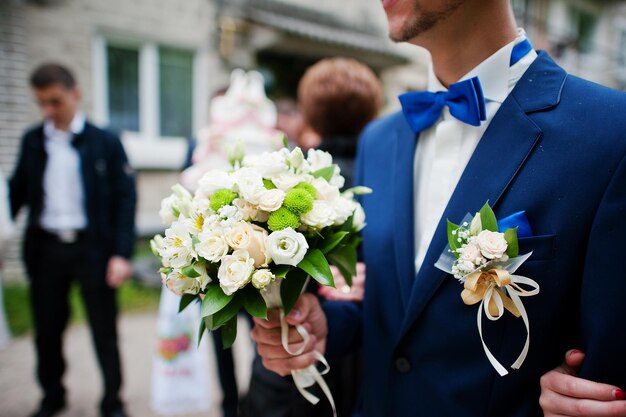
(339, 96)
(51, 73)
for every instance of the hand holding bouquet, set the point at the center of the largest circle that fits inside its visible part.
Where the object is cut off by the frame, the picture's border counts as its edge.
(250, 238)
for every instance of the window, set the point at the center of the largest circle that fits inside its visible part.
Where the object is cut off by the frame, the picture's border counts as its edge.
(147, 90)
(175, 92)
(123, 88)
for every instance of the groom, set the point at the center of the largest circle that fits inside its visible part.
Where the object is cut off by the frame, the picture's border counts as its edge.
(544, 142)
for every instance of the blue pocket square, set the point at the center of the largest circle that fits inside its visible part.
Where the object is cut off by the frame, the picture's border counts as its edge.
(518, 220)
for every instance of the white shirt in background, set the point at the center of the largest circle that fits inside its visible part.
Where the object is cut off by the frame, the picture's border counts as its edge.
(443, 151)
(63, 204)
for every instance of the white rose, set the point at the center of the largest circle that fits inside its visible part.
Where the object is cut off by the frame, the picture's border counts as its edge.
(492, 244)
(325, 191)
(250, 238)
(214, 180)
(287, 181)
(248, 211)
(262, 278)
(343, 209)
(471, 253)
(287, 247)
(235, 271)
(250, 184)
(320, 216)
(271, 200)
(268, 164)
(318, 159)
(212, 245)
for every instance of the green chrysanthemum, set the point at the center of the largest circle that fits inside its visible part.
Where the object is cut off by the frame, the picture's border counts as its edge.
(282, 219)
(299, 201)
(221, 198)
(308, 188)
(268, 184)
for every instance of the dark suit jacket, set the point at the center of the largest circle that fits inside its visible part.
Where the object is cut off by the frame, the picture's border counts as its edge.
(109, 189)
(557, 149)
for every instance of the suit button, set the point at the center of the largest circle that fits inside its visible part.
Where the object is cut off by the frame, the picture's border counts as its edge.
(403, 365)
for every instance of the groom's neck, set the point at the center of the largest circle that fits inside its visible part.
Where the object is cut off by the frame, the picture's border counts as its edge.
(467, 38)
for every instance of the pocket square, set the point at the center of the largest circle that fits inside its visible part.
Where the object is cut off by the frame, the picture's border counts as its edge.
(518, 220)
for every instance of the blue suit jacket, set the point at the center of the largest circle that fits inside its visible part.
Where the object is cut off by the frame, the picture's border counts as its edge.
(556, 148)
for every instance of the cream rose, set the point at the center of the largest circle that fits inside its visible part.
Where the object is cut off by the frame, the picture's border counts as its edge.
(250, 238)
(212, 246)
(248, 211)
(471, 253)
(492, 244)
(235, 271)
(271, 200)
(321, 215)
(262, 278)
(287, 247)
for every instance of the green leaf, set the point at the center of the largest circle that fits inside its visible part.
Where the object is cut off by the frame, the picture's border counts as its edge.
(281, 271)
(316, 265)
(488, 218)
(201, 330)
(228, 312)
(229, 333)
(285, 142)
(190, 272)
(326, 173)
(254, 303)
(291, 288)
(510, 235)
(453, 239)
(331, 242)
(344, 258)
(214, 300)
(347, 226)
(185, 300)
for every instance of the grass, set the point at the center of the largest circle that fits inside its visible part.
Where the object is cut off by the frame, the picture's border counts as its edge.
(131, 297)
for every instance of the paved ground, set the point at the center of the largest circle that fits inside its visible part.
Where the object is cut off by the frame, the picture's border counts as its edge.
(19, 393)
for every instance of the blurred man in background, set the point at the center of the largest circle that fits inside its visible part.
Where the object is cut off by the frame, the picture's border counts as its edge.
(80, 191)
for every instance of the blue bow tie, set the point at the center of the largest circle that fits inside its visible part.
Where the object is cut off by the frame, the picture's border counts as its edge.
(465, 100)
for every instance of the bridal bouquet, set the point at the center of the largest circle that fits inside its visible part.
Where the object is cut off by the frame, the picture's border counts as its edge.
(484, 260)
(249, 238)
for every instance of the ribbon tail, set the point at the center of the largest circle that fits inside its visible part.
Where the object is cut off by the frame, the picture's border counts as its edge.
(520, 306)
(494, 362)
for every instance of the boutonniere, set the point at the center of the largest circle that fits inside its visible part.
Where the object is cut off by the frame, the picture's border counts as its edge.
(484, 260)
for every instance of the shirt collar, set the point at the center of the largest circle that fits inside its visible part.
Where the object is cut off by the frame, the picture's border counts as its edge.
(493, 72)
(77, 125)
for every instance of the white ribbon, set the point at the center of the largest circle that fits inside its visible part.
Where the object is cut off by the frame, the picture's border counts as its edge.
(309, 376)
(514, 292)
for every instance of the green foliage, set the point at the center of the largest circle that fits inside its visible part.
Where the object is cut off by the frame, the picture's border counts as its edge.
(488, 218)
(510, 235)
(214, 300)
(229, 332)
(291, 288)
(185, 300)
(254, 303)
(282, 219)
(298, 201)
(344, 258)
(326, 173)
(332, 241)
(453, 239)
(316, 265)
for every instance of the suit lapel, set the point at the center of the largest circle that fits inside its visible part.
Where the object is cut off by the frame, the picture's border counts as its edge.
(403, 210)
(502, 150)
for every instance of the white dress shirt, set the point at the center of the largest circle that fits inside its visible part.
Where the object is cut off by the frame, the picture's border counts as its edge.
(63, 202)
(443, 151)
